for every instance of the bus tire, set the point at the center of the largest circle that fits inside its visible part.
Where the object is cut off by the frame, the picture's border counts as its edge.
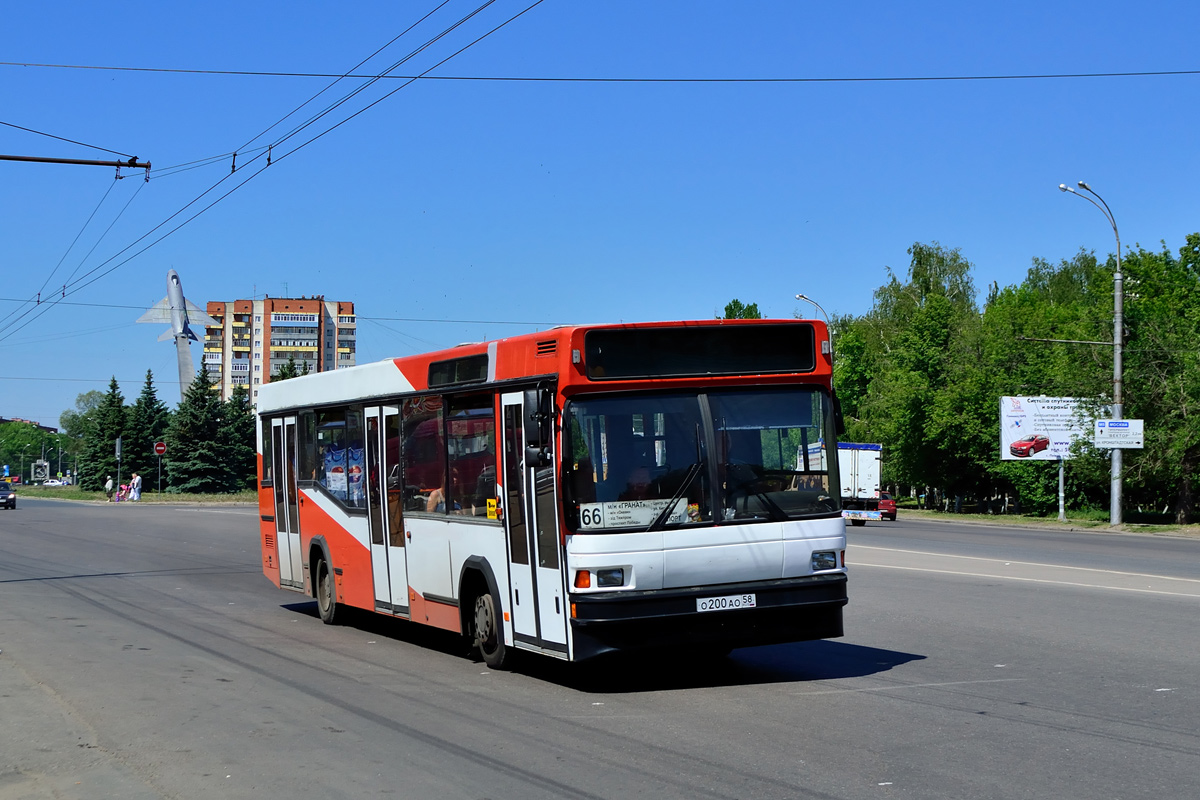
(326, 591)
(489, 636)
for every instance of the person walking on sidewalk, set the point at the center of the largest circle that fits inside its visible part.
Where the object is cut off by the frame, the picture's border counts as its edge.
(108, 487)
(135, 487)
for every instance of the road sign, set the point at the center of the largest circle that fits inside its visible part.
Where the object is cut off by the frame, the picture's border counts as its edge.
(160, 448)
(1119, 433)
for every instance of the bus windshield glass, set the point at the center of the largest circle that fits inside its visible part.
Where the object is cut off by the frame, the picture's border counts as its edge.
(650, 461)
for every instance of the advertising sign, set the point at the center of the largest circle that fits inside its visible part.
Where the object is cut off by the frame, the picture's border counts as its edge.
(1040, 428)
(1123, 433)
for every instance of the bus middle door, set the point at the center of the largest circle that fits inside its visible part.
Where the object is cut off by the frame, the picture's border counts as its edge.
(389, 566)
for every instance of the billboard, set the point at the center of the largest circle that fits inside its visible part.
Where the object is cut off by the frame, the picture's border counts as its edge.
(1041, 428)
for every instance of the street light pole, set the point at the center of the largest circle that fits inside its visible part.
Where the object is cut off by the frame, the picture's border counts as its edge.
(1116, 488)
(828, 324)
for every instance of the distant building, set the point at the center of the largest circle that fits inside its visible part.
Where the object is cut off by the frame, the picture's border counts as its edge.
(46, 428)
(256, 337)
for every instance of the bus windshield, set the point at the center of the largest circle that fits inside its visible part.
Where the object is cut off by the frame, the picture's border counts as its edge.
(657, 460)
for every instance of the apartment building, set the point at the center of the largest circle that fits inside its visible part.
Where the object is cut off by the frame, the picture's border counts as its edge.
(256, 337)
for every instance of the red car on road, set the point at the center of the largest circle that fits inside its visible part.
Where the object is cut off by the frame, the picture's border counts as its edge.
(1023, 448)
(887, 506)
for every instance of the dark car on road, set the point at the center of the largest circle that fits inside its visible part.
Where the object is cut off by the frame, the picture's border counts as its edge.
(1023, 448)
(8, 495)
(887, 506)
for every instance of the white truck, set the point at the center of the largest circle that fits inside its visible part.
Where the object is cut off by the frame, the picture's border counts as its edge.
(858, 468)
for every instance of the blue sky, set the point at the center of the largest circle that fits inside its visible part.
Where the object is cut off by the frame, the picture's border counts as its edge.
(538, 203)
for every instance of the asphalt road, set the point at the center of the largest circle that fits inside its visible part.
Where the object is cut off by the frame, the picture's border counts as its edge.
(144, 655)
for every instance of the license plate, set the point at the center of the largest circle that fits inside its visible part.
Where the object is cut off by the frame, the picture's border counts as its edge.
(726, 603)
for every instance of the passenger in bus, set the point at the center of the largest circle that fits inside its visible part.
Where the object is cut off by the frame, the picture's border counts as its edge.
(436, 502)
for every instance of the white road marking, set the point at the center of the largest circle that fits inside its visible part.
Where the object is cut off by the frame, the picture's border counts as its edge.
(1032, 572)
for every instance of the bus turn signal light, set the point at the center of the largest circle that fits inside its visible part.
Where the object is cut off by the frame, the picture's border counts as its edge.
(583, 579)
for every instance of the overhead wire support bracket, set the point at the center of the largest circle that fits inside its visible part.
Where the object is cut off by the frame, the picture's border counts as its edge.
(131, 163)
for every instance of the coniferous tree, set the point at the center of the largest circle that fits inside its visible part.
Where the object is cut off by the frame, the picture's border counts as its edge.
(237, 434)
(100, 440)
(148, 421)
(198, 459)
(288, 370)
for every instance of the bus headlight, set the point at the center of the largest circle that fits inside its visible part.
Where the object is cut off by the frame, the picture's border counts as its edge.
(824, 560)
(610, 577)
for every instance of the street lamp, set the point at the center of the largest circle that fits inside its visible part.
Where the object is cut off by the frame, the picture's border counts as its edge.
(828, 324)
(1114, 512)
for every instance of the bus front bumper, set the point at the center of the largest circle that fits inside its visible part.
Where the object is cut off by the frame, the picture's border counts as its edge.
(787, 610)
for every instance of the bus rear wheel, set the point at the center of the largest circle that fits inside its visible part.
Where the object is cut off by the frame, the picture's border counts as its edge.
(327, 603)
(488, 636)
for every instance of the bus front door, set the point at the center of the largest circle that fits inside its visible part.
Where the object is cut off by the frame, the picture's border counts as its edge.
(287, 518)
(538, 604)
(384, 488)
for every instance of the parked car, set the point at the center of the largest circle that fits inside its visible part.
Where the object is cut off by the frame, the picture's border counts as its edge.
(8, 495)
(887, 506)
(1023, 448)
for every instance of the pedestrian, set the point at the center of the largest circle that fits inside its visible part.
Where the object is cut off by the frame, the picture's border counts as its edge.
(108, 487)
(135, 487)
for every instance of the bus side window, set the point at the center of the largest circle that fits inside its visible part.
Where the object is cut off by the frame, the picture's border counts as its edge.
(423, 452)
(356, 487)
(331, 452)
(472, 453)
(265, 451)
(307, 445)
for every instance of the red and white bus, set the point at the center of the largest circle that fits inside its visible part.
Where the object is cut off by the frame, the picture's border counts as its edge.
(575, 492)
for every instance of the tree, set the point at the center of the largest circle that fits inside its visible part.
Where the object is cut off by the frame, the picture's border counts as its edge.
(1162, 376)
(289, 370)
(735, 310)
(148, 421)
(105, 426)
(237, 435)
(1072, 301)
(20, 444)
(76, 422)
(920, 403)
(198, 458)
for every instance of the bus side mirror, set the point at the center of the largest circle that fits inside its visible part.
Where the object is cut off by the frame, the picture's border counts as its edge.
(537, 413)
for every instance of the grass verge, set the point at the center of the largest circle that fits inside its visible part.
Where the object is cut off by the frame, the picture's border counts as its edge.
(75, 493)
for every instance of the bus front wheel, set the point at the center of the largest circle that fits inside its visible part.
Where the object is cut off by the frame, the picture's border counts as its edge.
(489, 638)
(327, 603)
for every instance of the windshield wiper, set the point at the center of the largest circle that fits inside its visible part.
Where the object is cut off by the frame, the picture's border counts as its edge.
(694, 470)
